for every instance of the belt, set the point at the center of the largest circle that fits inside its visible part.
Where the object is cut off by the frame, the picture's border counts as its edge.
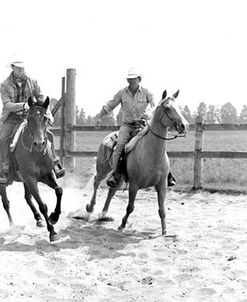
(136, 123)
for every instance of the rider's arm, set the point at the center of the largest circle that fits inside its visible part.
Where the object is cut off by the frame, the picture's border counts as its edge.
(109, 106)
(8, 100)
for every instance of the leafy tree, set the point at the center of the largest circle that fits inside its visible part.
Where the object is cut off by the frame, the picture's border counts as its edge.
(80, 117)
(107, 120)
(202, 110)
(243, 115)
(212, 115)
(187, 114)
(228, 114)
(90, 121)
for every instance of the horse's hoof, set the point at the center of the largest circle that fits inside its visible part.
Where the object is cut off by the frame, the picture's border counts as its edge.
(40, 223)
(89, 209)
(105, 218)
(54, 237)
(52, 220)
(120, 228)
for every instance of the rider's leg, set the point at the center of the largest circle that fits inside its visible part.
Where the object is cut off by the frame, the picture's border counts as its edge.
(123, 137)
(5, 132)
(58, 169)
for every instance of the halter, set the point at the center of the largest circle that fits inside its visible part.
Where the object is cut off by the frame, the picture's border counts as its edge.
(164, 113)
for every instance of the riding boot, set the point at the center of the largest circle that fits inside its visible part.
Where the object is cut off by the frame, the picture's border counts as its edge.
(171, 181)
(58, 169)
(114, 179)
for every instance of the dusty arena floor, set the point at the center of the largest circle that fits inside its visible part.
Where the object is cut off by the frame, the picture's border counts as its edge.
(93, 261)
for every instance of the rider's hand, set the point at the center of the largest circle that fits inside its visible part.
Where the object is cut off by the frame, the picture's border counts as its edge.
(25, 106)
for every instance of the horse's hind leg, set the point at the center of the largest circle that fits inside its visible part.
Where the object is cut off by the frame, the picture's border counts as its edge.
(101, 173)
(130, 208)
(111, 193)
(5, 201)
(50, 180)
(36, 214)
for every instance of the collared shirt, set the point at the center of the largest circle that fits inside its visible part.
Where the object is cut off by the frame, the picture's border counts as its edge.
(14, 95)
(133, 107)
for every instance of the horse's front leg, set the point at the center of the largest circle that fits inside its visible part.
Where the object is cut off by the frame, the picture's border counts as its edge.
(50, 180)
(161, 194)
(31, 183)
(5, 201)
(36, 214)
(130, 208)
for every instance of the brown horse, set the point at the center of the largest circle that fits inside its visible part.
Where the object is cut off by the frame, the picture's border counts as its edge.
(147, 164)
(33, 161)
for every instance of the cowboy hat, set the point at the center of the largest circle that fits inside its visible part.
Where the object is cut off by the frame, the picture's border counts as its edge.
(19, 64)
(133, 73)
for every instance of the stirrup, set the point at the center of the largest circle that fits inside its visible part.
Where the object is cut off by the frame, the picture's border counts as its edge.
(59, 171)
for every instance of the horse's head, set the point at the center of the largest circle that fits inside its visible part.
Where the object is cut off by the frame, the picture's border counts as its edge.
(169, 114)
(37, 122)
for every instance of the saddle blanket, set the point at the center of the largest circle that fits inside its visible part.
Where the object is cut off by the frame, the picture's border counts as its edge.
(111, 139)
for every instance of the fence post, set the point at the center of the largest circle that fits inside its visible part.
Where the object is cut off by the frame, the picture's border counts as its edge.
(62, 120)
(198, 148)
(70, 118)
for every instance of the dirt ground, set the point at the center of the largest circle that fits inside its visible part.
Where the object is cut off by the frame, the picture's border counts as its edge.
(93, 261)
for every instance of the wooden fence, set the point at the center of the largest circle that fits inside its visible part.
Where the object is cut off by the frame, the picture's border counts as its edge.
(68, 127)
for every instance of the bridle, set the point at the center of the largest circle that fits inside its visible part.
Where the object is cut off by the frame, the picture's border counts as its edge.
(30, 135)
(169, 117)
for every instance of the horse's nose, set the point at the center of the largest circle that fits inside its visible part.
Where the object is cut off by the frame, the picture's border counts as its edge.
(39, 144)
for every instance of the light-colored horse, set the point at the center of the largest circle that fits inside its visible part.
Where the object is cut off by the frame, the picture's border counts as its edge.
(148, 164)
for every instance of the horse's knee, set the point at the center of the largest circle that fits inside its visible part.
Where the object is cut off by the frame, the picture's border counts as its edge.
(43, 208)
(130, 209)
(162, 213)
(59, 191)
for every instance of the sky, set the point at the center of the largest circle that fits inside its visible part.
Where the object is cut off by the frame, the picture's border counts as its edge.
(198, 47)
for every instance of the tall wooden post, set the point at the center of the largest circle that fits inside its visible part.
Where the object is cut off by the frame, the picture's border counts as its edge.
(197, 158)
(70, 119)
(62, 129)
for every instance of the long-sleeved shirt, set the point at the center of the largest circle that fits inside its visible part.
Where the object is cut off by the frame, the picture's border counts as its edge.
(15, 94)
(133, 107)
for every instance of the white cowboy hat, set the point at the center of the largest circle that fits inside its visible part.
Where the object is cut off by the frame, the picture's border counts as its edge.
(133, 73)
(18, 64)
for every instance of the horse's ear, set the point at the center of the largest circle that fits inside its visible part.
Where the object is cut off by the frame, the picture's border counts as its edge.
(46, 102)
(30, 101)
(176, 94)
(164, 94)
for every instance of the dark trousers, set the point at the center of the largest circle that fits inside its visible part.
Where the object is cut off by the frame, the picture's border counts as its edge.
(6, 130)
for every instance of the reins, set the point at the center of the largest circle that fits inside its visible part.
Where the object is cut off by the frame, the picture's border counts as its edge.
(30, 135)
(159, 136)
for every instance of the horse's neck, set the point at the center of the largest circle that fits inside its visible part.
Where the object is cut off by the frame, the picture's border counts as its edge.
(155, 144)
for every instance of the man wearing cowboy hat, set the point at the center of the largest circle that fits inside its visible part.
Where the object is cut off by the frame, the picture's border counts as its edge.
(15, 92)
(134, 100)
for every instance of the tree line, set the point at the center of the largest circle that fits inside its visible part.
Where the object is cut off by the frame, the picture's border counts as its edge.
(224, 114)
